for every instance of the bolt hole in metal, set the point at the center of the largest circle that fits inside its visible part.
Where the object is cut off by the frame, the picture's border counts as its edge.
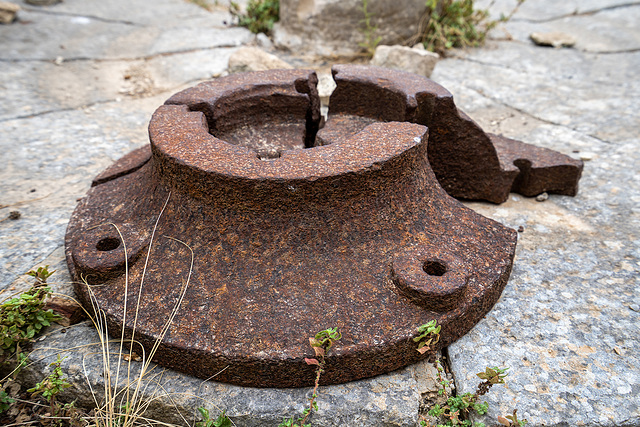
(108, 244)
(434, 268)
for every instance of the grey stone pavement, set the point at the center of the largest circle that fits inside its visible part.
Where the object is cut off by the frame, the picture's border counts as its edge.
(80, 80)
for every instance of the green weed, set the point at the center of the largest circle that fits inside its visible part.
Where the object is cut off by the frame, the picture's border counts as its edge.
(221, 421)
(369, 31)
(5, 401)
(457, 409)
(52, 385)
(429, 335)
(456, 23)
(23, 317)
(321, 343)
(260, 15)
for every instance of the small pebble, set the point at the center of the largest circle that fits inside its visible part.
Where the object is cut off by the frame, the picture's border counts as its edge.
(554, 38)
(520, 229)
(14, 215)
(542, 197)
(635, 307)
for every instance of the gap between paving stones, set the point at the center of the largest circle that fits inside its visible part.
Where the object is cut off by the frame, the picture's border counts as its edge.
(577, 13)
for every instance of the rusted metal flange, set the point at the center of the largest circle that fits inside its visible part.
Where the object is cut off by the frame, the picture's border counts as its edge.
(277, 242)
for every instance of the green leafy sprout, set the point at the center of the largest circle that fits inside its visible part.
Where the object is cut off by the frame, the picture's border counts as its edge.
(221, 421)
(260, 15)
(321, 343)
(52, 385)
(5, 401)
(429, 335)
(456, 23)
(23, 317)
(368, 30)
(457, 409)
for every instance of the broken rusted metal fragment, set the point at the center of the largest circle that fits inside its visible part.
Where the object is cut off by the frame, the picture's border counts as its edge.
(468, 163)
(125, 165)
(541, 170)
(231, 248)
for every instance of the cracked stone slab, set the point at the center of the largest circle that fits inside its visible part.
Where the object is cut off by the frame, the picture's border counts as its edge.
(542, 11)
(48, 162)
(84, 37)
(37, 87)
(565, 325)
(559, 86)
(390, 400)
(608, 31)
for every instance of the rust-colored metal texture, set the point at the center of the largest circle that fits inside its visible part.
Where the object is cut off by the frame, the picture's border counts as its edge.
(469, 163)
(235, 237)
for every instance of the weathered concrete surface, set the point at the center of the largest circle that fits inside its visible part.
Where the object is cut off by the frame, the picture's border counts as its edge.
(567, 324)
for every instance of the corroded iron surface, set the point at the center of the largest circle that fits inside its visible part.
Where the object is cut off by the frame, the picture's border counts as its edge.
(468, 162)
(239, 234)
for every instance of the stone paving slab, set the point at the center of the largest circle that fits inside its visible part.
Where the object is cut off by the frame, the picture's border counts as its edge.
(386, 401)
(117, 30)
(545, 11)
(44, 87)
(567, 323)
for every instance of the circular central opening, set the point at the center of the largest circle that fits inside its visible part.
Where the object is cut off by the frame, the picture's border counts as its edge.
(108, 244)
(434, 268)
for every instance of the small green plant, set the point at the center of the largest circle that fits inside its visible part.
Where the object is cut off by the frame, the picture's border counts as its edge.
(441, 380)
(456, 23)
(41, 274)
(429, 335)
(23, 317)
(369, 31)
(512, 420)
(260, 16)
(321, 343)
(5, 401)
(458, 408)
(51, 386)
(491, 377)
(221, 421)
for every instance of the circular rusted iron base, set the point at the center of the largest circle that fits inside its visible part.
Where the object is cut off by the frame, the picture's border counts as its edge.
(234, 239)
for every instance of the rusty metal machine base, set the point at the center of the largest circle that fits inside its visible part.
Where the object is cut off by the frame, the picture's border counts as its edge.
(248, 226)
